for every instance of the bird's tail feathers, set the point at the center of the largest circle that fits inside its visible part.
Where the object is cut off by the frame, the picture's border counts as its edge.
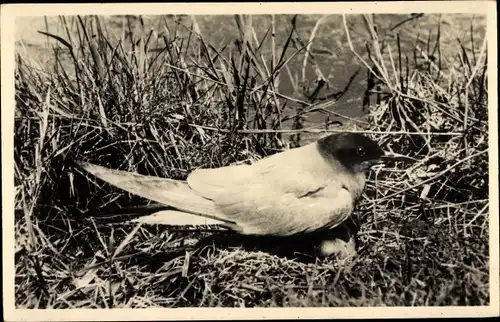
(179, 218)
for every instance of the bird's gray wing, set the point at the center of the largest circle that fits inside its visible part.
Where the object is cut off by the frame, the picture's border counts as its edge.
(263, 208)
(169, 192)
(212, 182)
(282, 195)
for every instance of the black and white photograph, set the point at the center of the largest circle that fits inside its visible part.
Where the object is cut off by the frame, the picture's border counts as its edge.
(243, 155)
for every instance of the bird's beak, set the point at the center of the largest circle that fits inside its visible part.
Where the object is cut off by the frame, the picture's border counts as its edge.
(389, 156)
(381, 160)
(374, 163)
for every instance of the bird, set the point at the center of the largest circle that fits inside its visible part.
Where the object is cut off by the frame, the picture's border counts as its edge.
(299, 191)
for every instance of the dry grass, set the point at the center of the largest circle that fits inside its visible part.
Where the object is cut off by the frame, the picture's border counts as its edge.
(186, 103)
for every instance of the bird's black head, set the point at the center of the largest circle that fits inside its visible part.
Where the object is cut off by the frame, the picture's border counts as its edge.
(354, 151)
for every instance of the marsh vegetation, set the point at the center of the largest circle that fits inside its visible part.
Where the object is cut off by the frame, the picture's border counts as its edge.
(164, 95)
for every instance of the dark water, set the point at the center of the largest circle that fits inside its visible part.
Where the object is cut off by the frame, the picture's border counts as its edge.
(331, 54)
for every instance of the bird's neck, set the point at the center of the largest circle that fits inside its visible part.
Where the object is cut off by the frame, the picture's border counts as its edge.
(358, 185)
(354, 181)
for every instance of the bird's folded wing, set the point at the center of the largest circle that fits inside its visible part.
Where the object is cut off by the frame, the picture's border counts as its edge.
(284, 194)
(212, 182)
(280, 169)
(260, 210)
(173, 193)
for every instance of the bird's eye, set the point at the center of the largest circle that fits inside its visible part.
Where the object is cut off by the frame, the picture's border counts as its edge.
(360, 151)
